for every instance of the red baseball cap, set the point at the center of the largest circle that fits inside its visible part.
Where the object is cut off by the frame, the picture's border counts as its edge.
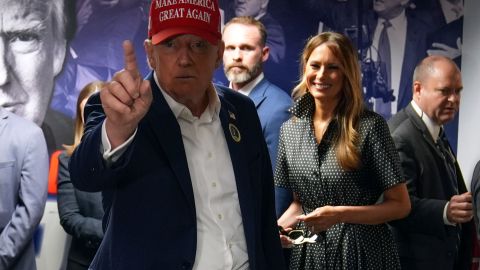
(169, 18)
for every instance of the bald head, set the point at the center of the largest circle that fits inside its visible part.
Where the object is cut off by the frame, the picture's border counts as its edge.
(427, 67)
(437, 84)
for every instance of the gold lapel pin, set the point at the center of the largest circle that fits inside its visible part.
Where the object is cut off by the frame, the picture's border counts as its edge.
(235, 133)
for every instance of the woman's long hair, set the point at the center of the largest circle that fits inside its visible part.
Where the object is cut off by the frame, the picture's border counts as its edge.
(350, 105)
(78, 132)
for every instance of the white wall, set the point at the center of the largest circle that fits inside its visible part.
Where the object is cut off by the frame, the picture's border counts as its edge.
(469, 121)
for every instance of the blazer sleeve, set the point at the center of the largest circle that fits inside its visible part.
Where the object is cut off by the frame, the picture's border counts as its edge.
(32, 196)
(73, 221)
(88, 170)
(283, 192)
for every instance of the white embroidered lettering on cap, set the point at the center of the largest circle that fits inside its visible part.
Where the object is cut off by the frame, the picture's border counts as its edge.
(175, 17)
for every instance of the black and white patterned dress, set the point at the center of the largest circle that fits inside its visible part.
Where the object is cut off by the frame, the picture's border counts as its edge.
(312, 172)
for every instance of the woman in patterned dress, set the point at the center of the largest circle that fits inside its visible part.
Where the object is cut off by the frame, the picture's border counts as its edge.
(338, 159)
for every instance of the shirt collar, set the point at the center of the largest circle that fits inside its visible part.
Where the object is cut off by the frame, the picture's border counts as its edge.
(396, 22)
(433, 128)
(304, 106)
(181, 111)
(247, 89)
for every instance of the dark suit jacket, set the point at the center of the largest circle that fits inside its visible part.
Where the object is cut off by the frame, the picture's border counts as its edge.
(81, 216)
(424, 241)
(152, 218)
(272, 105)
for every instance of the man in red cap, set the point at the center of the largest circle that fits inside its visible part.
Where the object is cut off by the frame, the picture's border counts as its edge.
(183, 161)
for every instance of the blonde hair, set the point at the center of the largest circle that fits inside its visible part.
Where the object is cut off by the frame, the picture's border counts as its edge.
(350, 105)
(85, 93)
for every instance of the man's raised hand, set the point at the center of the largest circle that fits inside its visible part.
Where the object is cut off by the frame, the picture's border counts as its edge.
(125, 99)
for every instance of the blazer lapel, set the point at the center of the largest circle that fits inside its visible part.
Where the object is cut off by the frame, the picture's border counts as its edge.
(160, 119)
(236, 146)
(258, 92)
(420, 125)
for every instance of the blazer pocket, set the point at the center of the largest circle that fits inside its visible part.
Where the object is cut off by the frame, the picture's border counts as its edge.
(6, 164)
(6, 183)
(6, 170)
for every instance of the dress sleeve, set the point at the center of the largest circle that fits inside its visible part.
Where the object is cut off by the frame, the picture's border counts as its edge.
(381, 156)
(281, 169)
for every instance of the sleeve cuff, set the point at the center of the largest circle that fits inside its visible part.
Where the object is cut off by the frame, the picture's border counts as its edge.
(109, 155)
(445, 219)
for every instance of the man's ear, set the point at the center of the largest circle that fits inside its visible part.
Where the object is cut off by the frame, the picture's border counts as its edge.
(59, 51)
(147, 44)
(417, 90)
(265, 54)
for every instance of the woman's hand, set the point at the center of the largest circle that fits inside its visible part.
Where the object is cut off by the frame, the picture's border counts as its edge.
(284, 239)
(321, 219)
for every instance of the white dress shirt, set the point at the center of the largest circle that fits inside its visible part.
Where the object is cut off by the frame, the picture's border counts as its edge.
(221, 242)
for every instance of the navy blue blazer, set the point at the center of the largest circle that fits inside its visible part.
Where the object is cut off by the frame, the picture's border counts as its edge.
(152, 219)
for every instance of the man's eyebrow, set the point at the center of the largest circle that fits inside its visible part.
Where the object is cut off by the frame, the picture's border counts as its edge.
(29, 23)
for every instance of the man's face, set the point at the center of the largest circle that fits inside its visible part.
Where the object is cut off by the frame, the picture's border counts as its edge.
(389, 8)
(184, 66)
(31, 55)
(244, 53)
(439, 95)
(248, 7)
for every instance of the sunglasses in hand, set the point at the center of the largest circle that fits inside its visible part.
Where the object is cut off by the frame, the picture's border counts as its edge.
(299, 237)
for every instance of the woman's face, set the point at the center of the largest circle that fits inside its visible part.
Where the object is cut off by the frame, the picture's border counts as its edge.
(324, 75)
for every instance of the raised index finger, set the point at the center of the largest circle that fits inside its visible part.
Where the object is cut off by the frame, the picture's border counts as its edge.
(130, 59)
